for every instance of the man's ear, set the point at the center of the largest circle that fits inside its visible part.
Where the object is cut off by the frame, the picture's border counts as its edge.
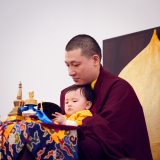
(96, 59)
(88, 105)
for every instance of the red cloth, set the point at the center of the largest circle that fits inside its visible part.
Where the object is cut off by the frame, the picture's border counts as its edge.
(118, 126)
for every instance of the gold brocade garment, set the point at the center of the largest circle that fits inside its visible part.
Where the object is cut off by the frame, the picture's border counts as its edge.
(143, 73)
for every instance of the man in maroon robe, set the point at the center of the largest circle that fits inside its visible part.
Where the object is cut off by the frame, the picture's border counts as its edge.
(117, 129)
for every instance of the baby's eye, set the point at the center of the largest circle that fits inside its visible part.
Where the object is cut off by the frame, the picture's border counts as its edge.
(74, 100)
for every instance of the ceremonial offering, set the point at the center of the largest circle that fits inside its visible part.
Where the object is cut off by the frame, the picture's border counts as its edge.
(29, 105)
(29, 134)
(17, 103)
(31, 100)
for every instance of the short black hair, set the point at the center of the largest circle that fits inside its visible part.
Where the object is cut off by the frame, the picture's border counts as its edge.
(86, 91)
(86, 43)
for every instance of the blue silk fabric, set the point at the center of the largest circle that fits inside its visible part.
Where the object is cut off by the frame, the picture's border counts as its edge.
(41, 115)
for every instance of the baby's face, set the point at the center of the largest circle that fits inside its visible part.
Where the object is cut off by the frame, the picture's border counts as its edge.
(74, 102)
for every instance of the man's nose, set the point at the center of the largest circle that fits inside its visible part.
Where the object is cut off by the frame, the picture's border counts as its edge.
(71, 72)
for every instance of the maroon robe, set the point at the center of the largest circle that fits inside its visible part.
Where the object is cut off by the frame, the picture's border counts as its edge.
(117, 129)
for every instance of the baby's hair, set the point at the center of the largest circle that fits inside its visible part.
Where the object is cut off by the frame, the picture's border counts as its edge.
(86, 91)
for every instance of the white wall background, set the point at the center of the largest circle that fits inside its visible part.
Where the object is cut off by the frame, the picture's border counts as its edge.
(33, 35)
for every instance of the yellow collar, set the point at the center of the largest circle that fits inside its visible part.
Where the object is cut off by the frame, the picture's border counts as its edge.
(93, 84)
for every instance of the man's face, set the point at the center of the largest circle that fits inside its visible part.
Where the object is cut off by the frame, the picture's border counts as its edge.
(81, 68)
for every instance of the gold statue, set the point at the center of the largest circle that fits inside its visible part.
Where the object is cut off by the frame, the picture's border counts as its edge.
(18, 102)
(31, 100)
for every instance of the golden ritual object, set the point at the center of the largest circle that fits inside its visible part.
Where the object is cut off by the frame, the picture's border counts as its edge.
(31, 100)
(18, 102)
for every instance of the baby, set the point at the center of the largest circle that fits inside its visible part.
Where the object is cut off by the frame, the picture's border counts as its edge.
(78, 101)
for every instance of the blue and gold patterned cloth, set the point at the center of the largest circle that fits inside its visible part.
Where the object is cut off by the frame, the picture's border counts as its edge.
(43, 141)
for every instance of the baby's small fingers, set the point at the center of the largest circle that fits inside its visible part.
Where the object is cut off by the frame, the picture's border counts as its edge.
(55, 115)
(58, 113)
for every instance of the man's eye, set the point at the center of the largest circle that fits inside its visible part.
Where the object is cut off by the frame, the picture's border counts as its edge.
(67, 65)
(75, 65)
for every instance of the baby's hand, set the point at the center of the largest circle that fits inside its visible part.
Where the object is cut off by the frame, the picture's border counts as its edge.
(59, 118)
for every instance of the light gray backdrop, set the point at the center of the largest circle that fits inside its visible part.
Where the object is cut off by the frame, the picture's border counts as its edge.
(33, 35)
